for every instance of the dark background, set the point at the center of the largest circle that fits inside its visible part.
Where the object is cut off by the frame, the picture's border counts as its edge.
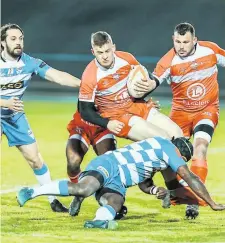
(142, 27)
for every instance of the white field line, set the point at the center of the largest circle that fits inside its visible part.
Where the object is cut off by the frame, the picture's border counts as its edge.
(17, 188)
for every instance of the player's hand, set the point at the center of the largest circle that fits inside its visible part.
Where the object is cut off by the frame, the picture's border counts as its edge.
(14, 104)
(144, 86)
(115, 126)
(218, 207)
(161, 193)
(155, 104)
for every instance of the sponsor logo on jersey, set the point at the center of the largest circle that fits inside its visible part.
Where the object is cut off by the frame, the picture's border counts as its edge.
(116, 76)
(30, 133)
(122, 95)
(42, 64)
(17, 85)
(207, 113)
(194, 65)
(105, 172)
(196, 91)
(79, 130)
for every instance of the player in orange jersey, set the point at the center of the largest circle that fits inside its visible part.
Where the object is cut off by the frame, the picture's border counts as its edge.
(104, 83)
(191, 70)
(82, 135)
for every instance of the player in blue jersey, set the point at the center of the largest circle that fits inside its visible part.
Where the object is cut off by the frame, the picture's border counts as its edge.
(16, 70)
(112, 173)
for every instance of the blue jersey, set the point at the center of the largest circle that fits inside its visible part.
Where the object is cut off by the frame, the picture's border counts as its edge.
(139, 160)
(14, 77)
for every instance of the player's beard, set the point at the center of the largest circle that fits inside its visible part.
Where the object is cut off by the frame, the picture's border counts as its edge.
(188, 53)
(13, 52)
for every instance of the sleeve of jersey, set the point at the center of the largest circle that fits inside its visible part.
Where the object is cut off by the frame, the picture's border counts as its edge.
(162, 71)
(41, 68)
(172, 156)
(88, 85)
(220, 53)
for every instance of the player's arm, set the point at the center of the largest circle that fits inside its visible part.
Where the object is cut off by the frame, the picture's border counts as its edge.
(148, 187)
(54, 75)
(161, 72)
(178, 165)
(86, 101)
(14, 103)
(197, 186)
(62, 78)
(88, 113)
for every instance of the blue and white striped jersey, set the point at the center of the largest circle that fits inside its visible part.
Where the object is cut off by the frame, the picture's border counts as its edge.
(137, 161)
(14, 77)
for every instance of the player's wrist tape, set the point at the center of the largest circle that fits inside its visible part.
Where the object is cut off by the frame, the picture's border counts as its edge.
(153, 190)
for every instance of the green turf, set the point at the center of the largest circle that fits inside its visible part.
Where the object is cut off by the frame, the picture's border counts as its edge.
(146, 220)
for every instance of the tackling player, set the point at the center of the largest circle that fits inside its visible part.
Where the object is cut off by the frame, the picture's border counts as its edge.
(115, 171)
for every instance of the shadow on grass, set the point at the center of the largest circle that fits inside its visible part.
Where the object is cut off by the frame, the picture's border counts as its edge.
(149, 215)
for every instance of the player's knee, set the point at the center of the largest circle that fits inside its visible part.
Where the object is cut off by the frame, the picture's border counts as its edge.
(73, 162)
(116, 202)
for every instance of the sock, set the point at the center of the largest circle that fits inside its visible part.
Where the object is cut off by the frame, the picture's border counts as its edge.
(43, 177)
(54, 188)
(181, 181)
(105, 213)
(200, 168)
(74, 179)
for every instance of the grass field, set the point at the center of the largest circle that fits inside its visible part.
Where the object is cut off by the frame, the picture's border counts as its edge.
(146, 221)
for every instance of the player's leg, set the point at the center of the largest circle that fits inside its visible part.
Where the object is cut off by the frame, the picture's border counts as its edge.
(18, 133)
(103, 142)
(185, 121)
(76, 148)
(32, 155)
(140, 129)
(111, 203)
(75, 151)
(145, 121)
(88, 184)
(164, 122)
(105, 196)
(203, 128)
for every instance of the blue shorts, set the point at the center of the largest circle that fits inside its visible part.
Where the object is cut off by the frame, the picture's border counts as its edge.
(110, 173)
(17, 130)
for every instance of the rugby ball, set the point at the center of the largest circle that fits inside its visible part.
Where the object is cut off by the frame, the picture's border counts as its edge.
(137, 73)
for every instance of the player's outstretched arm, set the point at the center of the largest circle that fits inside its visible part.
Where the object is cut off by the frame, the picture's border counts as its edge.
(62, 78)
(198, 187)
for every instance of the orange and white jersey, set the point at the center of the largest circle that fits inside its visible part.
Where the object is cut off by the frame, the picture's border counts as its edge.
(193, 79)
(108, 87)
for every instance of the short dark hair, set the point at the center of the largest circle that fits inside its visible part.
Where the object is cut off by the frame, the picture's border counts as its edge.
(183, 28)
(6, 27)
(100, 38)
